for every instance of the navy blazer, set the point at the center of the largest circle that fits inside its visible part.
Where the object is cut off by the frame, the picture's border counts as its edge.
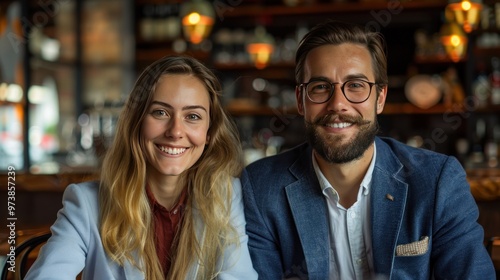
(287, 216)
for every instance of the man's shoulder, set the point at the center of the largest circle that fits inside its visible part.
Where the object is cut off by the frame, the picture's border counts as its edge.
(403, 150)
(419, 162)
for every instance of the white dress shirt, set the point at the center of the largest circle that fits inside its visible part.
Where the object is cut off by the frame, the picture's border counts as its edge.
(350, 234)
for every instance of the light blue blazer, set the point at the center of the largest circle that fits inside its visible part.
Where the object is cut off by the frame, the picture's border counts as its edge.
(76, 245)
(418, 197)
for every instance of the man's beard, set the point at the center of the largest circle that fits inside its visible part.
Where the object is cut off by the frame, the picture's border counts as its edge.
(329, 147)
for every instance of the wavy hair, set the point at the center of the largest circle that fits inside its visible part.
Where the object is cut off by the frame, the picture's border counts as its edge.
(126, 219)
(334, 33)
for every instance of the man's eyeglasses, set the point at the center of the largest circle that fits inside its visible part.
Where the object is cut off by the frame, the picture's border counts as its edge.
(355, 91)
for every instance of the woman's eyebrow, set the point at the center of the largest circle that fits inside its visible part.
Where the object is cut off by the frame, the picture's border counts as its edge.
(189, 107)
(154, 102)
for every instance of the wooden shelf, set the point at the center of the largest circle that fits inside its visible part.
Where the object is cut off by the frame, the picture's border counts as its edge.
(9, 103)
(491, 108)
(407, 108)
(436, 59)
(492, 51)
(48, 182)
(37, 61)
(328, 8)
(277, 71)
(243, 107)
(159, 2)
(248, 66)
(147, 56)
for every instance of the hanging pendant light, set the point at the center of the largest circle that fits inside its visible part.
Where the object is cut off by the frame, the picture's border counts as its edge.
(466, 13)
(261, 47)
(198, 18)
(454, 41)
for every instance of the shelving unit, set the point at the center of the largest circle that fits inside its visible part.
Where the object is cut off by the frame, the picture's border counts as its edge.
(398, 21)
(259, 122)
(77, 62)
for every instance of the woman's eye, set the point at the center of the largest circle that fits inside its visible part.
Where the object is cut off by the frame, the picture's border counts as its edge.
(159, 113)
(193, 117)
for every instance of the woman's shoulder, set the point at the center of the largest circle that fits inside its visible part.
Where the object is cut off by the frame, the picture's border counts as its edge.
(236, 189)
(236, 183)
(88, 187)
(87, 192)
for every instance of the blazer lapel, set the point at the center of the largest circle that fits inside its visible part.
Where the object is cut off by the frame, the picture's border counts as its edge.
(132, 272)
(309, 212)
(200, 235)
(388, 203)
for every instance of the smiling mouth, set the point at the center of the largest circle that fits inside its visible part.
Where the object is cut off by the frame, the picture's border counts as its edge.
(339, 125)
(172, 151)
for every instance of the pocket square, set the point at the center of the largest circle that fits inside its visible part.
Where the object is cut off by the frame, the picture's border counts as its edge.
(413, 249)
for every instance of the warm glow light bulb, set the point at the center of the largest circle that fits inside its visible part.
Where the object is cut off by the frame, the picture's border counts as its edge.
(466, 5)
(455, 40)
(194, 18)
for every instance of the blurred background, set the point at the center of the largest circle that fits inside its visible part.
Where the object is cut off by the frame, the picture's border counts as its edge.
(67, 67)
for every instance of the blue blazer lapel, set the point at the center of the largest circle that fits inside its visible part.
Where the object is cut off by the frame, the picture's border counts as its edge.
(388, 201)
(132, 272)
(310, 214)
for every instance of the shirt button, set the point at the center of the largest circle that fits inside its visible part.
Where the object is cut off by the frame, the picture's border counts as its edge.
(175, 211)
(353, 215)
(359, 261)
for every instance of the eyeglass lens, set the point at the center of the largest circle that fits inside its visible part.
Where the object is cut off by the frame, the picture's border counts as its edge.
(354, 90)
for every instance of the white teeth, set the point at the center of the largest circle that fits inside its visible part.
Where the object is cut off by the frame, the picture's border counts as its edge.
(172, 151)
(340, 125)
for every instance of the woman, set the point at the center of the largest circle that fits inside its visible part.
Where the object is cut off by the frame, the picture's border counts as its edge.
(168, 204)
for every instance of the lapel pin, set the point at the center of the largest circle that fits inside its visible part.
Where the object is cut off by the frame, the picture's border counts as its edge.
(390, 197)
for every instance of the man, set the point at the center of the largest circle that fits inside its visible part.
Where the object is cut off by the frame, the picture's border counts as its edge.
(349, 204)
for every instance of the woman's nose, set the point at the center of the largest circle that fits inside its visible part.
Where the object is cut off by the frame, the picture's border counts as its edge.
(174, 128)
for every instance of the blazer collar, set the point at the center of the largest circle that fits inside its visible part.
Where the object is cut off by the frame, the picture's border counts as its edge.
(310, 214)
(388, 201)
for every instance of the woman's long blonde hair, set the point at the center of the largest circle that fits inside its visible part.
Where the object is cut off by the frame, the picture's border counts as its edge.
(126, 223)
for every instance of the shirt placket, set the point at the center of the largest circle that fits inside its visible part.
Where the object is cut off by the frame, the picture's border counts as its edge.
(356, 241)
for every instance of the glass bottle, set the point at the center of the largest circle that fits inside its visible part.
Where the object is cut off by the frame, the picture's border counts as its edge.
(495, 80)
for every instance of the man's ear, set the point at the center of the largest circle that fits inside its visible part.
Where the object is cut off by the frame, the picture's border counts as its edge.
(381, 100)
(300, 100)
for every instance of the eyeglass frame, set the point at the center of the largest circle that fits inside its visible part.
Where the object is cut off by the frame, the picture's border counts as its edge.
(304, 86)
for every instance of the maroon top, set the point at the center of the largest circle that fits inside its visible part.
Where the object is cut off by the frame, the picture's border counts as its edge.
(166, 225)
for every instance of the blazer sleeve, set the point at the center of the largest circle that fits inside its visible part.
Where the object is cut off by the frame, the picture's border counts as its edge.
(458, 251)
(63, 256)
(236, 263)
(263, 248)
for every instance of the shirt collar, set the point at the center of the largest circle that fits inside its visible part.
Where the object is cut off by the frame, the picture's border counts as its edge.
(365, 184)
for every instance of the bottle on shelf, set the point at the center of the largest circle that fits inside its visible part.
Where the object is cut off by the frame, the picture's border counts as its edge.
(492, 143)
(481, 87)
(495, 81)
(477, 157)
